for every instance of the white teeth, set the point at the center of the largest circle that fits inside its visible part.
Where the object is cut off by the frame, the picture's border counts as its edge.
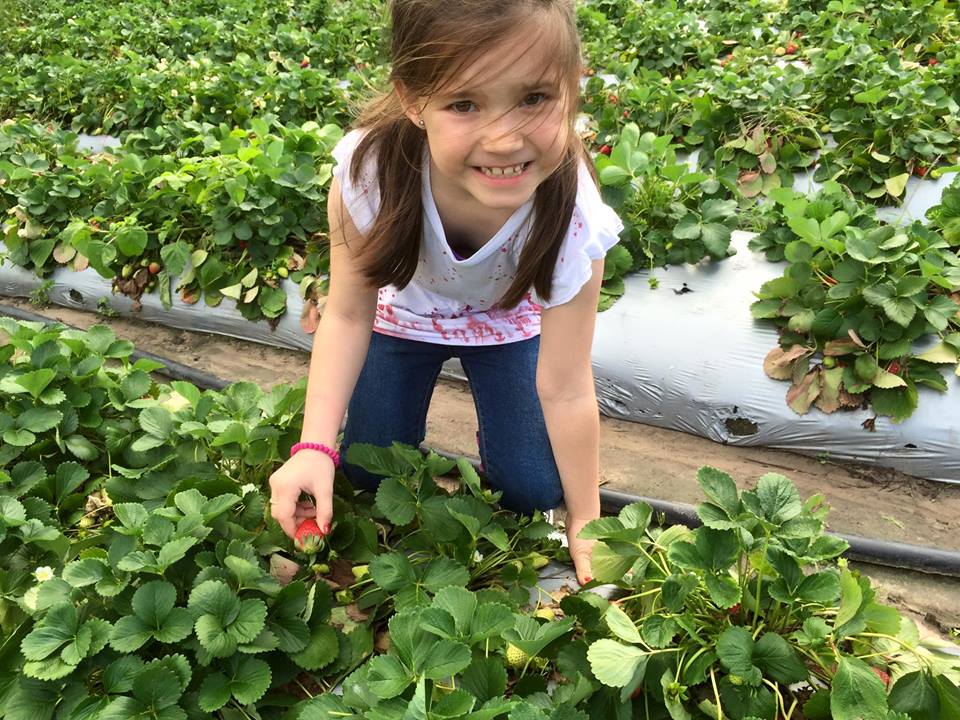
(503, 172)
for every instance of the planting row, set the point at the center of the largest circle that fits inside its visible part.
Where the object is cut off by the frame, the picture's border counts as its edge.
(142, 577)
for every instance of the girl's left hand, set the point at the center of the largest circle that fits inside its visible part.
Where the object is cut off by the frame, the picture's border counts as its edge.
(580, 550)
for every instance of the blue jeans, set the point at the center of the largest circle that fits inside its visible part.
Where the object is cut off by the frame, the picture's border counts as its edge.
(393, 392)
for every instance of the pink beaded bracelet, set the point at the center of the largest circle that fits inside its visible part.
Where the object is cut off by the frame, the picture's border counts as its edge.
(330, 452)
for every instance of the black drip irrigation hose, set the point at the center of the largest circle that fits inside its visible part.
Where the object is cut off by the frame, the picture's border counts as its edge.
(869, 550)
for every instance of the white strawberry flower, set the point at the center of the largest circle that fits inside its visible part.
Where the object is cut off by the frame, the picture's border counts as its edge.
(43, 573)
(477, 556)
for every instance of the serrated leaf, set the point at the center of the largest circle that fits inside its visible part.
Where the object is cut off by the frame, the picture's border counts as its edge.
(614, 663)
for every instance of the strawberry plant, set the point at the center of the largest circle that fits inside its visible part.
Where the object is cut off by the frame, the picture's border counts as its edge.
(749, 616)
(232, 221)
(150, 580)
(671, 214)
(854, 301)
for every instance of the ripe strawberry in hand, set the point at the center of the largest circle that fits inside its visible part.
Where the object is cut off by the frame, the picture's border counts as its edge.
(308, 538)
(606, 150)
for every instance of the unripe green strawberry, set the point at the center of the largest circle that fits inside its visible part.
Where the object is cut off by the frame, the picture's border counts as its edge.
(539, 560)
(344, 597)
(545, 613)
(516, 658)
(360, 571)
(308, 538)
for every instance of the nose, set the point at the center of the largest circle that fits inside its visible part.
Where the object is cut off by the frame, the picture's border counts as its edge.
(504, 135)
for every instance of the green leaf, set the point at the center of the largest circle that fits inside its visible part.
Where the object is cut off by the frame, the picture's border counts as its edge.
(131, 240)
(658, 631)
(857, 693)
(897, 403)
(129, 634)
(778, 660)
(485, 678)
(609, 564)
(442, 572)
(851, 598)
(735, 652)
(822, 587)
(621, 625)
(39, 419)
(723, 590)
(949, 696)
(156, 421)
(214, 692)
(614, 663)
(392, 571)
(387, 677)
(720, 489)
(676, 588)
(441, 659)
(35, 382)
(778, 498)
(396, 502)
(897, 184)
(716, 238)
(322, 649)
(12, 513)
(915, 695)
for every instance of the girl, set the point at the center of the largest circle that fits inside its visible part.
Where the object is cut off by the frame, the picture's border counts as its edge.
(465, 222)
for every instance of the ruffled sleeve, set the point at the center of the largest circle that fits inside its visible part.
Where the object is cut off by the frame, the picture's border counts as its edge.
(594, 229)
(361, 198)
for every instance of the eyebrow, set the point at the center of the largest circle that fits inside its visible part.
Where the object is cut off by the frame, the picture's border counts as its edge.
(523, 89)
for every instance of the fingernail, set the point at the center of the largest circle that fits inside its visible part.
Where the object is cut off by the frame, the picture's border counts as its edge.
(326, 528)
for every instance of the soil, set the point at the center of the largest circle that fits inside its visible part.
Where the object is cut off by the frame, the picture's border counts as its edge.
(638, 459)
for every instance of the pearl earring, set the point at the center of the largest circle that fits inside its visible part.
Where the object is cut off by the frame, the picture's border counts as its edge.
(421, 122)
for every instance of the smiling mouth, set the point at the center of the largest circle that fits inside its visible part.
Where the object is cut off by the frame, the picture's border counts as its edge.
(504, 172)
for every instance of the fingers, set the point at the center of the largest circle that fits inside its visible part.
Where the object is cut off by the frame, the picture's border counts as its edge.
(323, 511)
(283, 507)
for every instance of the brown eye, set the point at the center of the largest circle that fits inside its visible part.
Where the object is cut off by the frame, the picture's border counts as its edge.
(534, 99)
(462, 106)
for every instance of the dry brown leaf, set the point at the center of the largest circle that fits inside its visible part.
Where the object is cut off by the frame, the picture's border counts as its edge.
(801, 395)
(356, 614)
(779, 363)
(283, 569)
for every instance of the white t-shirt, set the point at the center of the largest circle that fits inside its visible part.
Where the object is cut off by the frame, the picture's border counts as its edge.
(449, 300)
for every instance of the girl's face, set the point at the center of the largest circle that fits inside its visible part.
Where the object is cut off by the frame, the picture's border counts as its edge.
(499, 128)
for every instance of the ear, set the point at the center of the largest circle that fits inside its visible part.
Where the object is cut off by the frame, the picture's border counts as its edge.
(408, 102)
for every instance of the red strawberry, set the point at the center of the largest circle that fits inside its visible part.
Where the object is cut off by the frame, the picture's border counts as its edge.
(153, 268)
(308, 537)
(920, 171)
(932, 61)
(893, 367)
(305, 63)
(626, 113)
(612, 99)
(606, 150)
(882, 675)
(735, 610)
(791, 49)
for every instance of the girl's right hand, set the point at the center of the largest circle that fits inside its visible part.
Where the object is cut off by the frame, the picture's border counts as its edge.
(311, 472)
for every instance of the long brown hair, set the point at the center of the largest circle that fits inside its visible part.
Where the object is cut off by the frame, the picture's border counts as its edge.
(432, 41)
